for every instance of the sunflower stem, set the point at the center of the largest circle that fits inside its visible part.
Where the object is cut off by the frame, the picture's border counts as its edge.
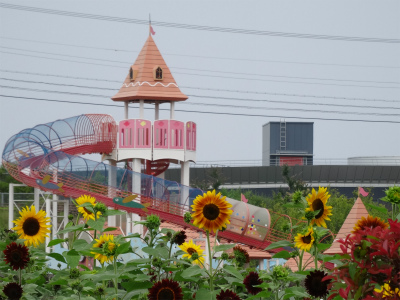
(115, 279)
(210, 260)
(301, 261)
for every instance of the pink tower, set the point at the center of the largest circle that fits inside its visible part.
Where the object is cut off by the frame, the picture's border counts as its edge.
(148, 145)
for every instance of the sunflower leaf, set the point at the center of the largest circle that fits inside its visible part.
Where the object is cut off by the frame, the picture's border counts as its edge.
(322, 246)
(72, 228)
(113, 212)
(279, 245)
(57, 256)
(233, 271)
(123, 248)
(282, 254)
(223, 247)
(98, 224)
(55, 242)
(192, 271)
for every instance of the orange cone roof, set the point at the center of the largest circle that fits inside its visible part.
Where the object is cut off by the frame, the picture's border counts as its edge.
(144, 86)
(356, 213)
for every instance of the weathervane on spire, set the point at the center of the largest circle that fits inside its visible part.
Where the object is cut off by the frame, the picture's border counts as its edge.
(151, 31)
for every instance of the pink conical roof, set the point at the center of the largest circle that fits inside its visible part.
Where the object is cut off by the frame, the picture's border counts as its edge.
(145, 86)
(356, 213)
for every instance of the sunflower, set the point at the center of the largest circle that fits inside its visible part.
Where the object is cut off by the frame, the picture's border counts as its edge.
(211, 211)
(32, 226)
(369, 223)
(165, 290)
(179, 237)
(251, 280)
(101, 242)
(388, 291)
(317, 201)
(87, 215)
(13, 291)
(314, 284)
(227, 295)
(241, 255)
(190, 248)
(305, 241)
(16, 255)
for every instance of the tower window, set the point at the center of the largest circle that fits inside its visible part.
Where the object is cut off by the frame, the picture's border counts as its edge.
(133, 73)
(158, 73)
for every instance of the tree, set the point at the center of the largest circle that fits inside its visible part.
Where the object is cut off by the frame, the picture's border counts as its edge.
(6, 179)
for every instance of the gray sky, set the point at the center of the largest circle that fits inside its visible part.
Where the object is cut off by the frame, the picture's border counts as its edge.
(255, 67)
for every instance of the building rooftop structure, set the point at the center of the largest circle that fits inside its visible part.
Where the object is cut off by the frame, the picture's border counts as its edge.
(149, 79)
(356, 213)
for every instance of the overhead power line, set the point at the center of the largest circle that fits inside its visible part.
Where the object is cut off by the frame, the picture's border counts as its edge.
(216, 104)
(200, 27)
(215, 76)
(208, 57)
(212, 71)
(208, 89)
(210, 112)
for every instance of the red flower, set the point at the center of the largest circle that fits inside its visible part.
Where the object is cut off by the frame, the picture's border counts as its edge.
(165, 290)
(16, 255)
(13, 291)
(251, 280)
(227, 295)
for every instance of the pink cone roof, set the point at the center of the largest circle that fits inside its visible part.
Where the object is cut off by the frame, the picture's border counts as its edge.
(356, 213)
(145, 87)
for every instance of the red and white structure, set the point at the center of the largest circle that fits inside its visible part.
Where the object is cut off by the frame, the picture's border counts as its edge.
(153, 144)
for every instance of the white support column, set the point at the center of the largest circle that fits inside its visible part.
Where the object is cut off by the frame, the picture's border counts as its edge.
(185, 181)
(36, 198)
(48, 214)
(141, 109)
(157, 111)
(66, 213)
(112, 179)
(261, 264)
(128, 229)
(126, 109)
(136, 180)
(172, 112)
(10, 205)
(268, 264)
(54, 227)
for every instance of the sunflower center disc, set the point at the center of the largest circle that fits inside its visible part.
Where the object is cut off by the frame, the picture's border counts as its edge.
(191, 251)
(31, 226)
(211, 211)
(306, 239)
(88, 212)
(166, 294)
(16, 256)
(318, 205)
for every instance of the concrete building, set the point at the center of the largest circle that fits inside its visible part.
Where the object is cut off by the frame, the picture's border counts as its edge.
(290, 143)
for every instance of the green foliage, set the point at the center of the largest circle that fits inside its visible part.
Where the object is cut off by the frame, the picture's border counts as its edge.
(6, 179)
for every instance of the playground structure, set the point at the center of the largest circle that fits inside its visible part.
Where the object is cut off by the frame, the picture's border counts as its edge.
(49, 157)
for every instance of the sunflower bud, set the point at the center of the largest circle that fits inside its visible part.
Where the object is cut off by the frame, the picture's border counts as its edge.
(153, 222)
(13, 236)
(70, 217)
(169, 234)
(74, 273)
(224, 256)
(157, 262)
(100, 207)
(310, 215)
(187, 217)
(195, 256)
(99, 291)
(109, 248)
(297, 197)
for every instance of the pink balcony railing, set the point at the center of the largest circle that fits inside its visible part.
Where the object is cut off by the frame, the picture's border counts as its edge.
(135, 133)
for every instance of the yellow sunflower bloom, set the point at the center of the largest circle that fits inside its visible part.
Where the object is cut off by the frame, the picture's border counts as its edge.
(87, 215)
(317, 201)
(103, 239)
(190, 248)
(211, 211)
(369, 222)
(305, 241)
(387, 291)
(32, 227)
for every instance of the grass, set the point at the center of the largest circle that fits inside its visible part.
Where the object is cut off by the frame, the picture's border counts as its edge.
(4, 217)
